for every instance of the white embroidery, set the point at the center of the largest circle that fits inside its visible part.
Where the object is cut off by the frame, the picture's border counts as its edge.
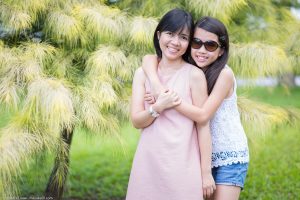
(229, 142)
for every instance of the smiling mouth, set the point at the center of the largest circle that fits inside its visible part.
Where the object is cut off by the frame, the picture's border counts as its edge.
(201, 58)
(172, 49)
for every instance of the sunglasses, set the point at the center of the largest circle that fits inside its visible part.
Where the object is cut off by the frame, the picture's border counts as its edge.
(209, 45)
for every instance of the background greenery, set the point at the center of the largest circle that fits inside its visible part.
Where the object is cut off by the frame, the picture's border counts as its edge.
(100, 167)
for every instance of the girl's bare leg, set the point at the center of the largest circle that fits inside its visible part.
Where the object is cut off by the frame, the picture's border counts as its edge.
(227, 192)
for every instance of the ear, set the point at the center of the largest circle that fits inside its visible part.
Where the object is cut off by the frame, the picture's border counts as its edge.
(221, 52)
(158, 34)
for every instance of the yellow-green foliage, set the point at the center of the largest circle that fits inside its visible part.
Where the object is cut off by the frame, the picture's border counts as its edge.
(17, 147)
(42, 53)
(20, 66)
(258, 59)
(64, 29)
(150, 8)
(8, 93)
(49, 102)
(92, 109)
(259, 118)
(104, 90)
(102, 22)
(61, 66)
(104, 61)
(221, 9)
(15, 20)
(19, 15)
(293, 49)
(142, 31)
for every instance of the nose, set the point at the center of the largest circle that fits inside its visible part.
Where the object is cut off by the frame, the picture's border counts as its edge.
(175, 40)
(202, 49)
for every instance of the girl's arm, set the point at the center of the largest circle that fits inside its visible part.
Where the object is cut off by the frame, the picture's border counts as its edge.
(222, 88)
(149, 65)
(140, 117)
(199, 95)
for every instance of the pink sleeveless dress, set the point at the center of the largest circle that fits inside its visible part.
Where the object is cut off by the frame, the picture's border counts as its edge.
(166, 165)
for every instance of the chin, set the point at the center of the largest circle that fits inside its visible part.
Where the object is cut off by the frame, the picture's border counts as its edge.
(173, 57)
(201, 65)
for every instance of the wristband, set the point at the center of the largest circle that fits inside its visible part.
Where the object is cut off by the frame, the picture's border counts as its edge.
(153, 113)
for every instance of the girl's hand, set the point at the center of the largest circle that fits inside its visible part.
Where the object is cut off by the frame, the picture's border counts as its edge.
(208, 185)
(149, 98)
(166, 100)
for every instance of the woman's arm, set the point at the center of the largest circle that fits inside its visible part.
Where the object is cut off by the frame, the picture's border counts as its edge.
(222, 89)
(140, 117)
(149, 65)
(199, 95)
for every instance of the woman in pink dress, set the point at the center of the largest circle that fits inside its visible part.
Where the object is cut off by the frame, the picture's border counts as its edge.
(171, 159)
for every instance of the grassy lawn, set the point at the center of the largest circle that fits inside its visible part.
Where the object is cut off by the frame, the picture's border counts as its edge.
(275, 165)
(100, 167)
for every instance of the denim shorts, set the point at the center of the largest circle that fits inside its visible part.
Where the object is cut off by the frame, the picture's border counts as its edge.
(234, 174)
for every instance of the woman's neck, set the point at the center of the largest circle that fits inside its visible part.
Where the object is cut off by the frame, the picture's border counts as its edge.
(169, 66)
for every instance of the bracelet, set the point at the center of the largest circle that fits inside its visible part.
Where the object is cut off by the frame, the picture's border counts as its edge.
(153, 113)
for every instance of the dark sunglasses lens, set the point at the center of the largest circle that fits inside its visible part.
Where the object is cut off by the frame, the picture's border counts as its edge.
(211, 45)
(196, 44)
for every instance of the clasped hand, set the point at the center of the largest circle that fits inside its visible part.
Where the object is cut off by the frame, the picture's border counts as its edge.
(165, 100)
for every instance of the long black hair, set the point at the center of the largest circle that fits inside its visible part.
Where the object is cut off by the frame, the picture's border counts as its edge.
(173, 21)
(213, 71)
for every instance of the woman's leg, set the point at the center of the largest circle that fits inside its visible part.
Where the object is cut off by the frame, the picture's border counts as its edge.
(227, 192)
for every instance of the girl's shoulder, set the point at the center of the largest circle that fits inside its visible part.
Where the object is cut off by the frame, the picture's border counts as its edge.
(227, 73)
(193, 68)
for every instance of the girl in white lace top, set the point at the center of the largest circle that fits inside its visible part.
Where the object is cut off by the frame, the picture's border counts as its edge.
(230, 155)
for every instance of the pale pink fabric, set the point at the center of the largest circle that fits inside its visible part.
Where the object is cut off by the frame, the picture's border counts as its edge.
(166, 165)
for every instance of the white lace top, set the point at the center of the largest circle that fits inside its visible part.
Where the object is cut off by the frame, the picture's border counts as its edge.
(229, 142)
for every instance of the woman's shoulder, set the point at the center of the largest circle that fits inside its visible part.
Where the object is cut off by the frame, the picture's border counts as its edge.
(139, 71)
(196, 73)
(139, 74)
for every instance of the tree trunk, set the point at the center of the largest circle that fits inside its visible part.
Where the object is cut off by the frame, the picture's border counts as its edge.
(53, 189)
(287, 79)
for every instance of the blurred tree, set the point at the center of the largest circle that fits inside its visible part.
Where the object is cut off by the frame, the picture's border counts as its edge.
(66, 64)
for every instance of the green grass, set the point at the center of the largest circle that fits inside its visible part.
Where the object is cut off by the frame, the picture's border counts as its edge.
(274, 170)
(277, 96)
(99, 168)
(103, 165)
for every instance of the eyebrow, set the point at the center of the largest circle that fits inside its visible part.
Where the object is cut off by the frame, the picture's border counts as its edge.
(205, 40)
(184, 34)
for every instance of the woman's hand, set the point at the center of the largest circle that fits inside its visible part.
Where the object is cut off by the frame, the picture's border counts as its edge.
(208, 185)
(165, 100)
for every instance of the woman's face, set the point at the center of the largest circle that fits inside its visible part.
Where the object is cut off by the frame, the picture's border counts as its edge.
(202, 56)
(173, 44)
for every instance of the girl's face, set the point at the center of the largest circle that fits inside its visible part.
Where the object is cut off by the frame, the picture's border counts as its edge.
(173, 44)
(202, 56)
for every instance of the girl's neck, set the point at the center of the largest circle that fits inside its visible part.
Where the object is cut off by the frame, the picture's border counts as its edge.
(169, 66)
